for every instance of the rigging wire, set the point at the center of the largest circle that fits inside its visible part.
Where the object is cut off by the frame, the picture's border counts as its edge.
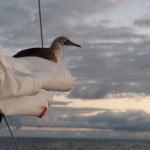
(14, 140)
(41, 28)
(40, 18)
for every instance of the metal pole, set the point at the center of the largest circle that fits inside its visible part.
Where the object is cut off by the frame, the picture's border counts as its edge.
(14, 140)
(39, 4)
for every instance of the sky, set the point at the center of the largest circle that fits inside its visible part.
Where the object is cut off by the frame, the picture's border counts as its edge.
(111, 94)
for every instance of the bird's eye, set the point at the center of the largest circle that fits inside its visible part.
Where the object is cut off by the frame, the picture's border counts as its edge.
(66, 42)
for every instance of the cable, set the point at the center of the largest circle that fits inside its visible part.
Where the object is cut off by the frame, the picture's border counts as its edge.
(40, 18)
(15, 142)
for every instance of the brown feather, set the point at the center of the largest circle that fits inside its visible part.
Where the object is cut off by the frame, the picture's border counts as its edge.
(45, 53)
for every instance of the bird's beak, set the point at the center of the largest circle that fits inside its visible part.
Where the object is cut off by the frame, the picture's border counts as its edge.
(68, 42)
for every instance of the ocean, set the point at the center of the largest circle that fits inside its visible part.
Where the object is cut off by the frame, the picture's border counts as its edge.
(73, 144)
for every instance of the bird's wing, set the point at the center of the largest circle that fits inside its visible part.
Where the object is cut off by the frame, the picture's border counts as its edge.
(45, 53)
(31, 52)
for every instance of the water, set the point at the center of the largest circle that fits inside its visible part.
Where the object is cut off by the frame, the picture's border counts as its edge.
(73, 144)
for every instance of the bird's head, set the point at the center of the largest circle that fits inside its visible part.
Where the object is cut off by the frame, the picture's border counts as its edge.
(62, 41)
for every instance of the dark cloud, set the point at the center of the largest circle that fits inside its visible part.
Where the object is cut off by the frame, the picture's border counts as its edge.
(53, 117)
(142, 22)
(112, 68)
(125, 121)
(111, 123)
(131, 121)
(20, 28)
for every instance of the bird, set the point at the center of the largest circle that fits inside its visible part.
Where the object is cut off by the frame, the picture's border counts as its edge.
(53, 53)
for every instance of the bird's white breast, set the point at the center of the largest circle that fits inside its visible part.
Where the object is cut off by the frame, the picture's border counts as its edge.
(58, 54)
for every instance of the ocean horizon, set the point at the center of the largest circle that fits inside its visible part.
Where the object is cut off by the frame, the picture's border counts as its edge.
(37, 143)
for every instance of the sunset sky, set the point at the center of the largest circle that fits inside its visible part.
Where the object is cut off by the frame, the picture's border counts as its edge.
(111, 93)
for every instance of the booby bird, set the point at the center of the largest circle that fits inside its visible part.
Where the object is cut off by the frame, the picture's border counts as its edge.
(53, 53)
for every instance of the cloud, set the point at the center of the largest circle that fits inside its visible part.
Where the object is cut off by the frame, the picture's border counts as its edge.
(122, 121)
(112, 68)
(109, 122)
(21, 28)
(130, 121)
(52, 118)
(144, 22)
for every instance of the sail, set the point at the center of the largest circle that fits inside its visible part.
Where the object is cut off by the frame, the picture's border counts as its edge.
(25, 84)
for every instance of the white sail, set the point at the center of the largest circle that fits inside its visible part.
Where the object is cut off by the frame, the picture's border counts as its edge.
(25, 84)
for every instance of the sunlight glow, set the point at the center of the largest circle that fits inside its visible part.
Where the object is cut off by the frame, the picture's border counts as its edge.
(116, 104)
